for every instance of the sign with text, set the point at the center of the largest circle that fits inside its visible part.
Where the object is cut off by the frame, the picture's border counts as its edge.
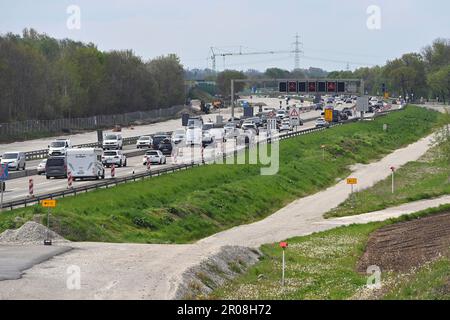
(48, 203)
(352, 181)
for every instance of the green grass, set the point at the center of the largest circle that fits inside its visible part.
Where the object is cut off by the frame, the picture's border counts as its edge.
(430, 282)
(192, 204)
(429, 177)
(323, 266)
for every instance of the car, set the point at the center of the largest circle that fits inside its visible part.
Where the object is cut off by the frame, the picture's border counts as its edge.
(166, 147)
(281, 114)
(56, 167)
(343, 116)
(112, 141)
(114, 157)
(15, 160)
(250, 126)
(158, 138)
(258, 121)
(154, 156)
(318, 106)
(41, 167)
(178, 136)
(59, 147)
(285, 126)
(321, 123)
(144, 142)
(348, 112)
(207, 138)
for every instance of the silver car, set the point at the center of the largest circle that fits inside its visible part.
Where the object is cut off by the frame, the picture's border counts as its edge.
(14, 160)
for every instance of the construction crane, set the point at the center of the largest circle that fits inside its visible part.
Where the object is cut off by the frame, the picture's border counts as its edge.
(297, 51)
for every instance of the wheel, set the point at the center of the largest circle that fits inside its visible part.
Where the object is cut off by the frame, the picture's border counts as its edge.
(47, 177)
(120, 163)
(165, 160)
(125, 164)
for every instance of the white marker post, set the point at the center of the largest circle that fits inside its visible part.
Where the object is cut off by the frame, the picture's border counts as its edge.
(283, 245)
(393, 185)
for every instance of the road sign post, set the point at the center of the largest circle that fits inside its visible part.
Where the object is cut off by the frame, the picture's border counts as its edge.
(48, 204)
(3, 177)
(113, 171)
(352, 182)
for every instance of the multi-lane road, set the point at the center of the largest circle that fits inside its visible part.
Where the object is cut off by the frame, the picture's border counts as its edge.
(19, 188)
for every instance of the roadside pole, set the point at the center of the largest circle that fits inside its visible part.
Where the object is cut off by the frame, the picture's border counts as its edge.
(31, 188)
(48, 204)
(3, 177)
(352, 182)
(283, 245)
(393, 185)
(323, 151)
(2, 186)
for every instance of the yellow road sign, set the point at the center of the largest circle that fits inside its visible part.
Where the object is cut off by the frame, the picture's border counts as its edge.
(48, 203)
(352, 181)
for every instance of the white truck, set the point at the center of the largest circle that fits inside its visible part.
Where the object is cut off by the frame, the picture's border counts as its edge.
(85, 163)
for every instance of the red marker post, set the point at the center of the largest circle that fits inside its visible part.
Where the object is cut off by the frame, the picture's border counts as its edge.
(113, 171)
(283, 245)
(148, 164)
(31, 187)
(69, 180)
(393, 173)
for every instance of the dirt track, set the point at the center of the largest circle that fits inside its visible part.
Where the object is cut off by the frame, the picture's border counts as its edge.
(403, 246)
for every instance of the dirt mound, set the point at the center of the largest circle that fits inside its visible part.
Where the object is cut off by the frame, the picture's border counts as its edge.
(30, 233)
(202, 279)
(405, 245)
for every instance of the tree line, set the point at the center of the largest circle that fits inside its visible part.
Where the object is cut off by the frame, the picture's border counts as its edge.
(45, 78)
(416, 75)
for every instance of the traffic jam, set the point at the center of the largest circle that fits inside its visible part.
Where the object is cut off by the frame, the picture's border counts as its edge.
(197, 140)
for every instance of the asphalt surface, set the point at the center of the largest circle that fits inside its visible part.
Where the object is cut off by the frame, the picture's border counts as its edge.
(15, 259)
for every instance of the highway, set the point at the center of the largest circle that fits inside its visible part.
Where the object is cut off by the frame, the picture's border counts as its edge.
(18, 188)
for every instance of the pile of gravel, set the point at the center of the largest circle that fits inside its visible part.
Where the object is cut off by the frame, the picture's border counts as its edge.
(30, 233)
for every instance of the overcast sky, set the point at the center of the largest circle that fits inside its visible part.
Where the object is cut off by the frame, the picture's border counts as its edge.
(333, 32)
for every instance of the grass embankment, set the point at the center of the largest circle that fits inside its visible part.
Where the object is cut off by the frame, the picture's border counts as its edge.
(190, 205)
(423, 179)
(323, 266)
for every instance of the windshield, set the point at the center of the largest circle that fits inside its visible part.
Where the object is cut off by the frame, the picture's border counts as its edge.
(144, 138)
(10, 156)
(207, 126)
(152, 153)
(58, 144)
(55, 162)
(110, 153)
(111, 137)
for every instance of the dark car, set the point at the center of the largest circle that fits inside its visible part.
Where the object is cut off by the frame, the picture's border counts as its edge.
(56, 167)
(347, 111)
(158, 138)
(344, 116)
(165, 147)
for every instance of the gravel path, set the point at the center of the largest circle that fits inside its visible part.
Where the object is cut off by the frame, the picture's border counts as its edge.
(133, 271)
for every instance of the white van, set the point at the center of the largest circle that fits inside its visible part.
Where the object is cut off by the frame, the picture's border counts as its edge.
(194, 136)
(112, 141)
(85, 163)
(59, 147)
